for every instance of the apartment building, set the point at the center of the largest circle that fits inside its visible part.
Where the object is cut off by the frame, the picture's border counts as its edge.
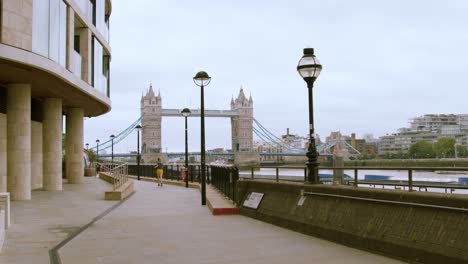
(54, 62)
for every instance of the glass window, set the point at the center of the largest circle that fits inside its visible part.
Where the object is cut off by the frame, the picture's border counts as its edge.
(49, 36)
(54, 30)
(100, 67)
(63, 34)
(40, 32)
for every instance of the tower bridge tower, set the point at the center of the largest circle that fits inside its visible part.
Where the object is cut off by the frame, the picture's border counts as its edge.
(242, 125)
(151, 110)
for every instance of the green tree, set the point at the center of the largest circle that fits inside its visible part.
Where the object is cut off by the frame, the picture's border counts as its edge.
(445, 147)
(91, 155)
(462, 152)
(421, 150)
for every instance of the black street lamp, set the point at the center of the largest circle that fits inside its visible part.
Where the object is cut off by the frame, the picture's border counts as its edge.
(186, 113)
(112, 148)
(202, 79)
(97, 152)
(138, 128)
(87, 146)
(309, 68)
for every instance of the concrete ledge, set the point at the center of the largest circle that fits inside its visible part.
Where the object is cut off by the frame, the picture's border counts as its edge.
(405, 231)
(88, 172)
(120, 193)
(218, 203)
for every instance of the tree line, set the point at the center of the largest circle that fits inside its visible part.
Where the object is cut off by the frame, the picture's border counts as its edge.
(442, 148)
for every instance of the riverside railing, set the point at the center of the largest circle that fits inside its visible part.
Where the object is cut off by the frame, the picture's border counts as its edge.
(118, 170)
(224, 178)
(170, 172)
(406, 184)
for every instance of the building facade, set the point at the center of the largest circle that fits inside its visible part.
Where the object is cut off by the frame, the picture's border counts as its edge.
(429, 128)
(54, 61)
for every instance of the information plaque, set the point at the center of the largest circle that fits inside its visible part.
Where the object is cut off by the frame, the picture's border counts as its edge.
(253, 200)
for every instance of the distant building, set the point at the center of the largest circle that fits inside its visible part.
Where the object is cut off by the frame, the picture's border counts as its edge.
(294, 141)
(429, 128)
(362, 145)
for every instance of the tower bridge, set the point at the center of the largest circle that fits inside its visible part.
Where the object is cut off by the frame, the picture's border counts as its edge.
(243, 127)
(240, 113)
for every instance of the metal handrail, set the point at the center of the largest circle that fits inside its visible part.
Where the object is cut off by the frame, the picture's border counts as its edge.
(119, 172)
(355, 181)
(387, 201)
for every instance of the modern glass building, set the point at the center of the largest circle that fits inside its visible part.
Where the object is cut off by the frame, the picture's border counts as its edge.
(54, 62)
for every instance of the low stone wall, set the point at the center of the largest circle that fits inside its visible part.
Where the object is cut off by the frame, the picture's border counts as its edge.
(387, 222)
(90, 172)
(120, 193)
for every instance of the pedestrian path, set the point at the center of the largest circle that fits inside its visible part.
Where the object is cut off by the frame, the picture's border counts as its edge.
(49, 217)
(169, 225)
(155, 225)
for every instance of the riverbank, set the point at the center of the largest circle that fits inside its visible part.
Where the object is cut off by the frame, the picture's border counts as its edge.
(382, 163)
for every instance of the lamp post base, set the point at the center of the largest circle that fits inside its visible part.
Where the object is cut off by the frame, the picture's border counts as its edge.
(313, 172)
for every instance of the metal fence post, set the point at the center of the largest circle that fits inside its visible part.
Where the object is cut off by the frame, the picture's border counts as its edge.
(355, 184)
(410, 180)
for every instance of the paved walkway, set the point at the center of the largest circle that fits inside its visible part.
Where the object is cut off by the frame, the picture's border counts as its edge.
(48, 218)
(158, 225)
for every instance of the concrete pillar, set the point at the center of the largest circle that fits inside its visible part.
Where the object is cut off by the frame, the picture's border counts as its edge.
(3, 152)
(19, 141)
(70, 38)
(85, 51)
(52, 144)
(74, 145)
(36, 155)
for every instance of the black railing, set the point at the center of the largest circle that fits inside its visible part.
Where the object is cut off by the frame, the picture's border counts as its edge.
(409, 183)
(171, 172)
(224, 178)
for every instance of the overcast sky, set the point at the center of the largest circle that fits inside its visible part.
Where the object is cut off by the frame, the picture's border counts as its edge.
(383, 63)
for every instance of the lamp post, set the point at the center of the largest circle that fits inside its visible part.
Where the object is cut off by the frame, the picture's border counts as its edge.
(138, 128)
(202, 79)
(309, 68)
(97, 152)
(186, 113)
(87, 146)
(112, 148)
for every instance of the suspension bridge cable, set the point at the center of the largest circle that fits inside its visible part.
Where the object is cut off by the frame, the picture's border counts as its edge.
(267, 134)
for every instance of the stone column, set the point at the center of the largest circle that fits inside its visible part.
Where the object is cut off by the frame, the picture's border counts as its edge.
(36, 155)
(19, 141)
(3, 152)
(52, 144)
(74, 145)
